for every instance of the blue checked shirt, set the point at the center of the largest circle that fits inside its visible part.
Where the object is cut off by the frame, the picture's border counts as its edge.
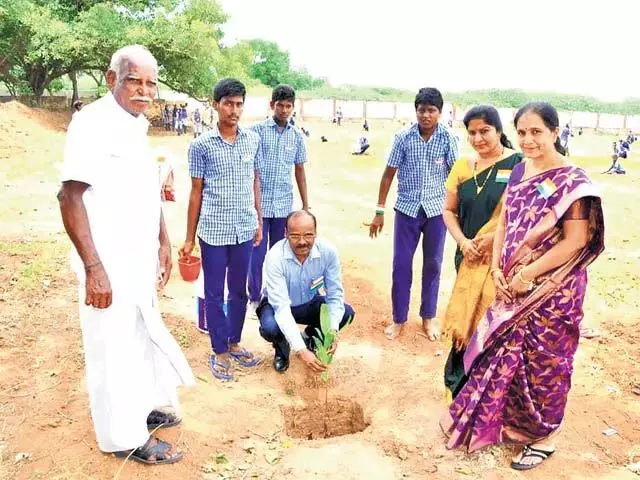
(288, 283)
(280, 150)
(227, 214)
(423, 168)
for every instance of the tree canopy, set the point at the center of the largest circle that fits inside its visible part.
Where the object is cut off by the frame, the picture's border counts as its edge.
(43, 40)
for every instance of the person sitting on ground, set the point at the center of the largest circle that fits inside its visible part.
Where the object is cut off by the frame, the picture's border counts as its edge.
(616, 166)
(301, 274)
(324, 139)
(361, 145)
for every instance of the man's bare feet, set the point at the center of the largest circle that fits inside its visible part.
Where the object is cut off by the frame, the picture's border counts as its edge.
(431, 328)
(393, 331)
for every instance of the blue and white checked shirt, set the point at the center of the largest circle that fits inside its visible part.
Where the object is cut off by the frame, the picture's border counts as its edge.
(227, 215)
(423, 168)
(289, 283)
(280, 150)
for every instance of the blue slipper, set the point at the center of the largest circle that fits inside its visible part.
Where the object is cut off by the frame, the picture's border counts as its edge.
(245, 358)
(220, 370)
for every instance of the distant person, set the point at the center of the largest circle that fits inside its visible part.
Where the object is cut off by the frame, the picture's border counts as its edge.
(184, 117)
(175, 119)
(361, 145)
(76, 107)
(306, 132)
(631, 137)
(324, 139)
(302, 273)
(580, 132)
(166, 118)
(224, 213)
(365, 125)
(293, 119)
(197, 123)
(339, 116)
(422, 155)
(616, 167)
(564, 138)
(283, 152)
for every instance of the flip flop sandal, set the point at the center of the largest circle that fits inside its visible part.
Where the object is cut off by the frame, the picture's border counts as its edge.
(220, 370)
(151, 454)
(158, 419)
(245, 358)
(531, 452)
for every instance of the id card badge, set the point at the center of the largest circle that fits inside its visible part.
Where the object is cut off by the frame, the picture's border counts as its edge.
(317, 286)
(502, 176)
(546, 188)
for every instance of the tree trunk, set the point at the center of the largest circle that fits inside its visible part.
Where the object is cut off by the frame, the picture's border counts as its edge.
(39, 81)
(74, 81)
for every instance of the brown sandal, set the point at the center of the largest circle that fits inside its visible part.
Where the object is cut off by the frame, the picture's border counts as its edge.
(153, 452)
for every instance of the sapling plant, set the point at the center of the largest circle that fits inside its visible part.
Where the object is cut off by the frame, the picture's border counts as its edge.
(324, 339)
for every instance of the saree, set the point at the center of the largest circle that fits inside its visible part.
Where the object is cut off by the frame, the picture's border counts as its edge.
(473, 291)
(520, 359)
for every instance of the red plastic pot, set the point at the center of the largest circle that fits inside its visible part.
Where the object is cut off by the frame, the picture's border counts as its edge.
(189, 268)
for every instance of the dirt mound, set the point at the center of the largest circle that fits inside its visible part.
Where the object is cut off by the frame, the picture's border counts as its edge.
(338, 417)
(21, 117)
(26, 130)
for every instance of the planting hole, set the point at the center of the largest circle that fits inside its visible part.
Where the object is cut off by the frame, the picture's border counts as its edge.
(340, 416)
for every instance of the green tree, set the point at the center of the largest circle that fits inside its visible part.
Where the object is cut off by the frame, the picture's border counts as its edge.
(43, 40)
(270, 64)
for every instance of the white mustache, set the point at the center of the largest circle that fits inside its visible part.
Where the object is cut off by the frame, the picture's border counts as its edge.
(141, 99)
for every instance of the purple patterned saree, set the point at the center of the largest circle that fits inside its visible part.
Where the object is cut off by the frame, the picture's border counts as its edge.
(519, 361)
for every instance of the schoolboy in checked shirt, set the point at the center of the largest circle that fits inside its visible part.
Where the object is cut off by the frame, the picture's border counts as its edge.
(283, 147)
(224, 212)
(423, 155)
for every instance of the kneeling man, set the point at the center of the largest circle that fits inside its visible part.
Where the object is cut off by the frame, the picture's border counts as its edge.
(301, 273)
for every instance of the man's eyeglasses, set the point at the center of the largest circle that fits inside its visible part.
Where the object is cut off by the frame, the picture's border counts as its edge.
(297, 236)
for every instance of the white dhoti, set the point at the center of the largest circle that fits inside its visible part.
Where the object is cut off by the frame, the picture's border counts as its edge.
(133, 364)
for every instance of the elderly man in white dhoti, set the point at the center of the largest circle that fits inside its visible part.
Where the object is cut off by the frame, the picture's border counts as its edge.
(111, 208)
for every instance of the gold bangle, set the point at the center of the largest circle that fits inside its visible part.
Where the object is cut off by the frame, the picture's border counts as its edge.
(522, 277)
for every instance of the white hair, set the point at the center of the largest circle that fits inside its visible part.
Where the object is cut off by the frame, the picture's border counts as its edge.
(131, 53)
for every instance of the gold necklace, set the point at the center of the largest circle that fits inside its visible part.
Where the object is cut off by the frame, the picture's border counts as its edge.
(475, 178)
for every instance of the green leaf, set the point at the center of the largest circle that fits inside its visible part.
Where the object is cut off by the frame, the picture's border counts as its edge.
(221, 458)
(325, 319)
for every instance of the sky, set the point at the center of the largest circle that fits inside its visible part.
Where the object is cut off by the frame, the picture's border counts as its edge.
(455, 45)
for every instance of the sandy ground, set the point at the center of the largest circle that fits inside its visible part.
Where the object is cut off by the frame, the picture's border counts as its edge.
(239, 431)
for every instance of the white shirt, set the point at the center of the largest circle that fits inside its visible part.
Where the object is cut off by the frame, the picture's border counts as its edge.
(123, 200)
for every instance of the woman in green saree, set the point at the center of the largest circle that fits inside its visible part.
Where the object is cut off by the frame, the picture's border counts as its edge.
(475, 188)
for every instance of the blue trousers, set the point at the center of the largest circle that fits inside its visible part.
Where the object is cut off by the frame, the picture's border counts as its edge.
(272, 232)
(406, 235)
(230, 262)
(306, 314)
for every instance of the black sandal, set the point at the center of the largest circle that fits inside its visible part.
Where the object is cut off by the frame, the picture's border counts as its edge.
(158, 419)
(156, 454)
(531, 452)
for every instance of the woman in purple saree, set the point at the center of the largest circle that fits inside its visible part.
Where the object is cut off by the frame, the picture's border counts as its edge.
(519, 362)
